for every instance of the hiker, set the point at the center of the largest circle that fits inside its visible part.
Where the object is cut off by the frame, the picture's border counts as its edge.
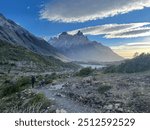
(33, 81)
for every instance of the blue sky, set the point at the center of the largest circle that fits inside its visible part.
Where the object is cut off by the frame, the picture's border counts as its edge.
(47, 18)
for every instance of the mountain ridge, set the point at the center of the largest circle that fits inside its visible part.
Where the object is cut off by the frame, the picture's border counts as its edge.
(79, 48)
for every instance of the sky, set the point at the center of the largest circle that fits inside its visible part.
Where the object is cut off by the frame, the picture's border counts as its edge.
(123, 25)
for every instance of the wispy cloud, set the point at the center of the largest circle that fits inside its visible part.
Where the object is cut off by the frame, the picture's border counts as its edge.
(134, 45)
(131, 33)
(130, 30)
(85, 10)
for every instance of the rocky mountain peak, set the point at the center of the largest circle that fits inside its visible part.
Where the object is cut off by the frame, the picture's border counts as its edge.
(79, 48)
(65, 40)
(79, 33)
(64, 33)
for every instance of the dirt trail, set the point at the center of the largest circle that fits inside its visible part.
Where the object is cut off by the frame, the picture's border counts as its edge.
(63, 102)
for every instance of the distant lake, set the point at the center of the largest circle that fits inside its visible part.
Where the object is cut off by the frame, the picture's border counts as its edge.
(92, 66)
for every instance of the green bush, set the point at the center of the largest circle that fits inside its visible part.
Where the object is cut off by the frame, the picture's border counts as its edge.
(85, 71)
(9, 87)
(49, 78)
(37, 98)
(110, 69)
(48, 81)
(23, 81)
(53, 76)
(104, 88)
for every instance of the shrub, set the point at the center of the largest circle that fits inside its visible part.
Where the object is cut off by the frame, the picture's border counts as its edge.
(37, 98)
(48, 81)
(85, 71)
(104, 88)
(110, 69)
(53, 76)
(23, 81)
(49, 78)
(9, 87)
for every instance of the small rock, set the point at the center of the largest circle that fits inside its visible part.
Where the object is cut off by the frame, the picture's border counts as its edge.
(61, 111)
(117, 106)
(120, 109)
(108, 107)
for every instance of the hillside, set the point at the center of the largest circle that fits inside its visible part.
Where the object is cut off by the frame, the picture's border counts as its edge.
(15, 34)
(138, 64)
(17, 58)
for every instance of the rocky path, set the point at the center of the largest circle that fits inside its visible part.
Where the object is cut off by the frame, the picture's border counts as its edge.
(62, 102)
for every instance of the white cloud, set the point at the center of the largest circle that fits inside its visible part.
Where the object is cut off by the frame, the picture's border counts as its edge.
(86, 10)
(138, 44)
(130, 30)
(134, 45)
(132, 33)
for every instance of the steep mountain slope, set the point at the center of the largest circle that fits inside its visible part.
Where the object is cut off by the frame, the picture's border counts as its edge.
(16, 58)
(79, 48)
(15, 34)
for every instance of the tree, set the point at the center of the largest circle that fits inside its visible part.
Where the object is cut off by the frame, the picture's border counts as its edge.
(136, 54)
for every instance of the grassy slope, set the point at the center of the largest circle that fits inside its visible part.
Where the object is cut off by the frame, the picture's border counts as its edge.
(11, 54)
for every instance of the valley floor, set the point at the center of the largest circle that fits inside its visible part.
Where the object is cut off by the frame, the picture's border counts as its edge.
(117, 93)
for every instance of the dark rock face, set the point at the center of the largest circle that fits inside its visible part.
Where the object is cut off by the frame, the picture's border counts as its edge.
(79, 48)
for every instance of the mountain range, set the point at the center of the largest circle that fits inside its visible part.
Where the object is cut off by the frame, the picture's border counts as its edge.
(65, 47)
(78, 47)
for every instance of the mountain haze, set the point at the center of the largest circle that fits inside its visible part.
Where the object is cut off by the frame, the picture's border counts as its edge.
(79, 48)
